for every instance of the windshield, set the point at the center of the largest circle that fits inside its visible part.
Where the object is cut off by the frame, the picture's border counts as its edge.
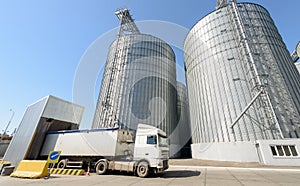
(162, 141)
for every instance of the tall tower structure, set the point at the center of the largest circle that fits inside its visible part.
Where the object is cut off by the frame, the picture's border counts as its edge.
(242, 83)
(139, 81)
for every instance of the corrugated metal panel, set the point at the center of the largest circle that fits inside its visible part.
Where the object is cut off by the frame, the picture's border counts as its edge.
(62, 110)
(148, 89)
(182, 133)
(218, 83)
(49, 113)
(183, 114)
(25, 133)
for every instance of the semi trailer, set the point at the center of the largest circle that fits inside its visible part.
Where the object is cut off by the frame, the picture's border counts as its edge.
(143, 151)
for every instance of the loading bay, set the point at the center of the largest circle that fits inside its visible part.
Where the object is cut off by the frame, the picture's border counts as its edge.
(175, 175)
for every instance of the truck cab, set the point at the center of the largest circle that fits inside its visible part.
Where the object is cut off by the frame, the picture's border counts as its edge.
(151, 146)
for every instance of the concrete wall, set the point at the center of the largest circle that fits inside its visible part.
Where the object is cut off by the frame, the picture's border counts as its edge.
(226, 151)
(268, 158)
(258, 151)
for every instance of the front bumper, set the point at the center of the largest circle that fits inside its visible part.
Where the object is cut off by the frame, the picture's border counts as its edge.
(165, 164)
(162, 164)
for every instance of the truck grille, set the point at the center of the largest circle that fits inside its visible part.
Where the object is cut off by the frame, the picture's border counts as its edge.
(165, 153)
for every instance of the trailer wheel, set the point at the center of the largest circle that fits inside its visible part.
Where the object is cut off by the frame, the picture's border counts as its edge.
(101, 167)
(62, 164)
(142, 169)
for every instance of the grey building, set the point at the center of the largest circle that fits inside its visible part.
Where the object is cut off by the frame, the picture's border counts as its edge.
(242, 84)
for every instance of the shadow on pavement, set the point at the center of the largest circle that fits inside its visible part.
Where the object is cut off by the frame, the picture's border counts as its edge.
(167, 174)
(180, 174)
(53, 176)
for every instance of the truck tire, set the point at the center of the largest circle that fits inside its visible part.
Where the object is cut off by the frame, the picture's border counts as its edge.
(62, 164)
(101, 167)
(142, 169)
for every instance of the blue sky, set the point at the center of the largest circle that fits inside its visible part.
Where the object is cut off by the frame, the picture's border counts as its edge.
(42, 42)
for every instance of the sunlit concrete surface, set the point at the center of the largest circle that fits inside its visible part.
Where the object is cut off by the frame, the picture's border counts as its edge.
(176, 175)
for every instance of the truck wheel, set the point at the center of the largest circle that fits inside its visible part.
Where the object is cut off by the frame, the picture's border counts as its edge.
(62, 164)
(101, 168)
(143, 169)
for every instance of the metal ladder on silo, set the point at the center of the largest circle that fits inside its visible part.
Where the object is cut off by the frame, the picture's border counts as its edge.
(108, 105)
(257, 87)
(111, 108)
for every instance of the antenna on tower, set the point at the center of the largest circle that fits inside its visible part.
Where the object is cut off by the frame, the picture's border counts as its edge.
(127, 25)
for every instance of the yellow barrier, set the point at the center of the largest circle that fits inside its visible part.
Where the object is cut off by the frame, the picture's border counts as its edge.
(4, 162)
(31, 169)
(76, 172)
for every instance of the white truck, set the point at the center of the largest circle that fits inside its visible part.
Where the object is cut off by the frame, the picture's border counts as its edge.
(111, 149)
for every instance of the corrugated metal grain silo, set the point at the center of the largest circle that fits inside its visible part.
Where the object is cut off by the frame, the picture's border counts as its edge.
(139, 84)
(146, 92)
(242, 83)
